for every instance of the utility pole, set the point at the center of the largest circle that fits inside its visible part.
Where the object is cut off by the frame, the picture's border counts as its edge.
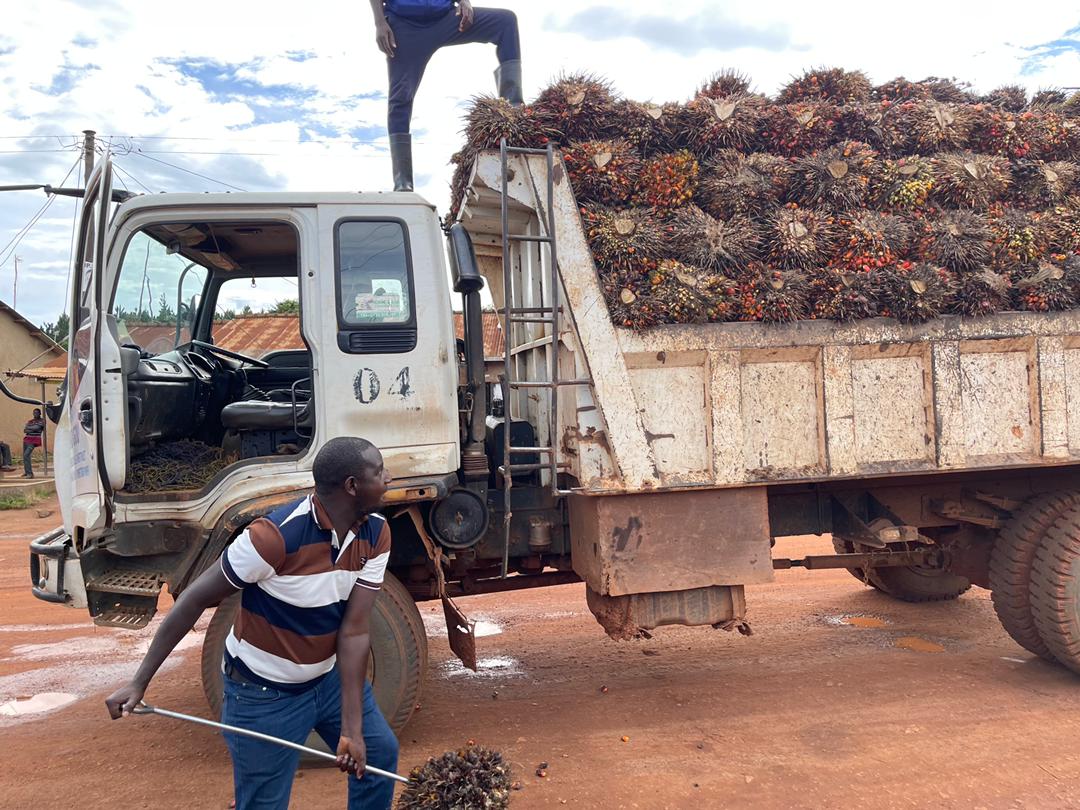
(88, 154)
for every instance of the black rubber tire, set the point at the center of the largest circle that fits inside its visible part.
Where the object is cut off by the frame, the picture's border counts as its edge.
(1011, 561)
(398, 660)
(909, 583)
(1055, 589)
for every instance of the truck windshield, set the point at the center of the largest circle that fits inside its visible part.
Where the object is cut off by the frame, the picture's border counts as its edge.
(157, 296)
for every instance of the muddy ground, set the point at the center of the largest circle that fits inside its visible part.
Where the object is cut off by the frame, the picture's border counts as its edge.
(841, 698)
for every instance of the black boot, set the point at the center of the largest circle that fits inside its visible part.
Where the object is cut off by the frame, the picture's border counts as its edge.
(508, 80)
(401, 159)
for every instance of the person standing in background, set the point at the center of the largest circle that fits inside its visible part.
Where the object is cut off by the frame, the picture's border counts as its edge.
(409, 32)
(32, 433)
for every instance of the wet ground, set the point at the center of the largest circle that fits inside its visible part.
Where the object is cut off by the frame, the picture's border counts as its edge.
(841, 698)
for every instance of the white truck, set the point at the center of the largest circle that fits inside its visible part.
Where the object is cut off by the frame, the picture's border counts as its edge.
(658, 467)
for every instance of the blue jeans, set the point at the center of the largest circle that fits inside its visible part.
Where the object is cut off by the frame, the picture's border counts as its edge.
(263, 772)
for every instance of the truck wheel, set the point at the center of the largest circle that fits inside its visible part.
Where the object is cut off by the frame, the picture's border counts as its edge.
(1011, 562)
(396, 666)
(1055, 589)
(910, 583)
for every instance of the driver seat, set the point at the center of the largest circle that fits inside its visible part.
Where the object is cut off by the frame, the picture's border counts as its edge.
(263, 415)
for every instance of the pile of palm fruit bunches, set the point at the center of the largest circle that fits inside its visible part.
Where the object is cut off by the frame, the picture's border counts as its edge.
(835, 200)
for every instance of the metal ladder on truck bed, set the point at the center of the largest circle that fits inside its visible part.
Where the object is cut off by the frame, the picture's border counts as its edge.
(548, 314)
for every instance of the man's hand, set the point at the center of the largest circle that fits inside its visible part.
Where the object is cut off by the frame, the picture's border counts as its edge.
(465, 11)
(121, 702)
(352, 755)
(384, 36)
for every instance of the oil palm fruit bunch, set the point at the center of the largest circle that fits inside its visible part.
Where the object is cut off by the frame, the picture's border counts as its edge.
(1070, 107)
(900, 89)
(623, 238)
(462, 162)
(602, 172)
(491, 119)
(721, 297)
(840, 294)
(678, 291)
(799, 128)
(947, 90)
(628, 294)
(725, 83)
(868, 240)
(576, 107)
(959, 240)
(1000, 132)
(1017, 239)
(667, 181)
(981, 291)
(1038, 184)
(837, 178)
(915, 292)
(710, 243)
(937, 126)
(1011, 97)
(729, 122)
(903, 184)
(1050, 286)
(827, 84)
(773, 295)
(1056, 137)
(735, 184)
(649, 128)
(1063, 226)
(969, 180)
(865, 122)
(1049, 99)
(471, 777)
(797, 237)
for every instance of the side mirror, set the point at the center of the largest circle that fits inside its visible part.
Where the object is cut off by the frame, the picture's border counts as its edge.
(467, 278)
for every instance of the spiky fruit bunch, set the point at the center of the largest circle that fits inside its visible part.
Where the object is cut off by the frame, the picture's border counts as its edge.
(667, 181)
(838, 294)
(1037, 184)
(1070, 108)
(628, 294)
(799, 128)
(722, 297)
(903, 184)
(1056, 137)
(1063, 226)
(623, 238)
(865, 122)
(868, 240)
(678, 292)
(725, 83)
(577, 107)
(473, 777)
(1017, 239)
(937, 126)
(969, 180)
(649, 128)
(1000, 132)
(947, 90)
(773, 295)
(1048, 99)
(837, 178)
(1052, 286)
(827, 84)
(730, 122)
(981, 292)
(900, 89)
(914, 293)
(714, 244)
(604, 172)
(798, 237)
(751, 185)
(491, 119)
(1011, 97)
(959, 240)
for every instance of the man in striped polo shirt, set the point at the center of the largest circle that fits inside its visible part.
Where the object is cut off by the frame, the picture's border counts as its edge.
(298, 652)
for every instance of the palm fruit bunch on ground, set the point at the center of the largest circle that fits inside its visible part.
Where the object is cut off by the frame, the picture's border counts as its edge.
(834, 199)
(472, 777)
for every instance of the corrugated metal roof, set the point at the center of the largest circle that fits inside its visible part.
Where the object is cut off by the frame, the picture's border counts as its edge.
(493, 334)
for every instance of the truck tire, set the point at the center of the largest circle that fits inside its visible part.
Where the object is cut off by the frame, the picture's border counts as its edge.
(1055, 589)
(397, 663)
(1011, 561)
(907, 583)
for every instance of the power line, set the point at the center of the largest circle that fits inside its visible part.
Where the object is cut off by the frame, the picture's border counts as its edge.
(13, 243)
(132, 177)
(188, 171)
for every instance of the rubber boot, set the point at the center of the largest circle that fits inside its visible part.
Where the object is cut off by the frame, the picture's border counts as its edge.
(508, 80)
(401, 159)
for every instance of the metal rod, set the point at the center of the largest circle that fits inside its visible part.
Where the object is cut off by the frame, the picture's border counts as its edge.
(554, 384)
(524, 150)
(553, 415)
(144, 708)
(519, 310)
(530, 320)
(44, 436)
(532, 449)
(533, 467)
(524, 237)
(508, 374)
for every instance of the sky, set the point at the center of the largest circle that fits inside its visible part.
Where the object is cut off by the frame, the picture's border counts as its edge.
(265, 96)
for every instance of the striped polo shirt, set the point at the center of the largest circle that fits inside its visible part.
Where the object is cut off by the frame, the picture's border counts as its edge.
(296, 578)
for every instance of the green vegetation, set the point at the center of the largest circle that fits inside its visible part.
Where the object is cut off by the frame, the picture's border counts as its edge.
(23, 500)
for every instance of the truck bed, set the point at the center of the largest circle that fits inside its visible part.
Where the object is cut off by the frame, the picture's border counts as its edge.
(738, 404)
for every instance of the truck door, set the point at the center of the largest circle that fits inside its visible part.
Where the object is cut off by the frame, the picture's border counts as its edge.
(92, 432)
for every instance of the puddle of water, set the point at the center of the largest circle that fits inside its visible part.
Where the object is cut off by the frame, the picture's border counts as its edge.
(919, 644)
(493, 667)
(865, 621)
(45, 702)
(435, 625)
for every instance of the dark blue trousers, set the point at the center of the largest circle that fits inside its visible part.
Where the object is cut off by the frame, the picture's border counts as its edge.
(263, 772)
(418, 41)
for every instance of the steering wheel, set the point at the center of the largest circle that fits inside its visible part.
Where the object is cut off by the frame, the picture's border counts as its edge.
(243, 358)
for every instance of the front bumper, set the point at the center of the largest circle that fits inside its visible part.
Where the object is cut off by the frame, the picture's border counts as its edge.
(55, 573)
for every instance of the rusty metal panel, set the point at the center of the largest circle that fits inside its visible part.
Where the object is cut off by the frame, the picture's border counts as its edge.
(997, 395)
(626, 617)
(671, 541)
(893, 410)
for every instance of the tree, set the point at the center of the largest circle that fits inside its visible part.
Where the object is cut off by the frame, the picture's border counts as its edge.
(165, 313)
(58, 331)
(289, 306)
